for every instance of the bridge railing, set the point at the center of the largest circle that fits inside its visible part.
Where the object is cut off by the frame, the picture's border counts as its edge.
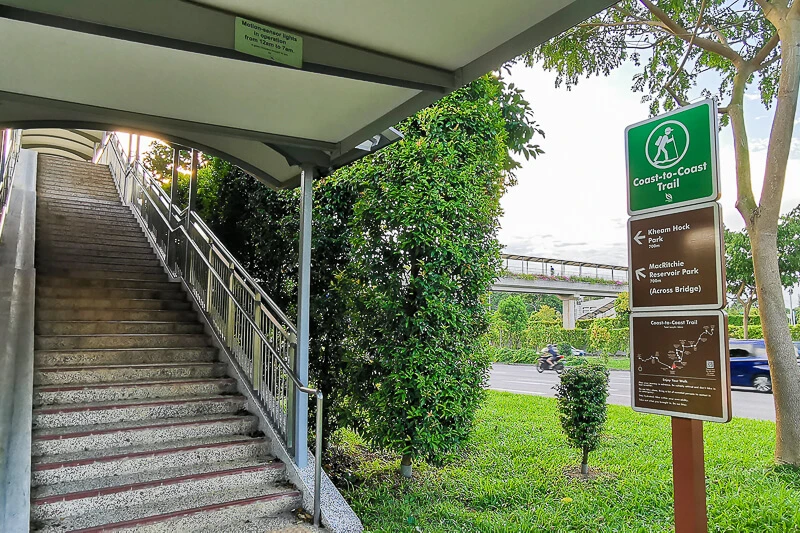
(9, 154)
(544, 268)
(260, 338)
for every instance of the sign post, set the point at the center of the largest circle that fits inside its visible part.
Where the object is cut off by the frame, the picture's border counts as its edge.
(679, 335)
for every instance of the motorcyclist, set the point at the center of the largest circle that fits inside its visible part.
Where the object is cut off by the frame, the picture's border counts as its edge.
(552, 352)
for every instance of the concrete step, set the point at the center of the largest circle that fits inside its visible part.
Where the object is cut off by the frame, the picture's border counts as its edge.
(175, 293)
(103, 233)
(88, 273)
(149, 457)
(91, 327)
(208, 512)
(80, 195)
(87, 221)
(89, 264)
(52, 441)
(131, 390)
(118, 411)
(115, 315)
(102, 212)
(129, 356)
(81, 498)
(56, 203)
(74, 375)
(135, 246)
(46, 302)
(46, 205)
(89, 233)
(43, 280)
(282, 523)
(93, 251)
(77, 258)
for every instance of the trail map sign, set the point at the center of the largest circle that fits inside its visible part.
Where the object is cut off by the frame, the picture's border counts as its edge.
(676, 260)
(672, 159)
(680, 365)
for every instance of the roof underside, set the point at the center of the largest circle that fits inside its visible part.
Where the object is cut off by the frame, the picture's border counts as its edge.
(73, 144)
(169, 69)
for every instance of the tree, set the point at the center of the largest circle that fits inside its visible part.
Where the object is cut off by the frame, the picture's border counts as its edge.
(513, 315)
(744, 43)
(424, 254)
(739, 273)
(582, 395)
(739, 263)
(533, 302)
(404, 250)
(545, 314)
(622, 309)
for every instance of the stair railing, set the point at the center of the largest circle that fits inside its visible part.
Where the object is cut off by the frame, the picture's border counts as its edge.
(10, 143)
(259, 336)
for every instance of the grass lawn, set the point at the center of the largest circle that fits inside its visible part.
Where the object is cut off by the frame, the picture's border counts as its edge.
(511, 478)
(614, 363)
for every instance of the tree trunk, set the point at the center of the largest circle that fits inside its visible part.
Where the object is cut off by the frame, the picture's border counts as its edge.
(746, 317)
(585, 462)
(782, 362)
(405, 465)
(762, 226)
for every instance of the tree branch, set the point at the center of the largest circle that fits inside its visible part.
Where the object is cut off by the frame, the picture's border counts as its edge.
(684, 34)
(768, 47)
(772, 9)
(678, 100)
(668, 84)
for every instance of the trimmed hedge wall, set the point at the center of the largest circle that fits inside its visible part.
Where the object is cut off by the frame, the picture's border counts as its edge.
(736, 320)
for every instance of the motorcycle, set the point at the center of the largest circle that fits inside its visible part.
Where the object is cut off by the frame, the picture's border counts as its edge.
(544, 364)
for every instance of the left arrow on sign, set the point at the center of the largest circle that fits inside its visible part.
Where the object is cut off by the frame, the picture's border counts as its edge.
(640, 274)
(639, 237)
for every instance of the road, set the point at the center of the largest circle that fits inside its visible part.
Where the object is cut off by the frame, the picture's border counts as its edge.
(525, 379)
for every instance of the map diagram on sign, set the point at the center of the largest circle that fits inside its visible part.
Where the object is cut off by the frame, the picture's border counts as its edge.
(678, 358)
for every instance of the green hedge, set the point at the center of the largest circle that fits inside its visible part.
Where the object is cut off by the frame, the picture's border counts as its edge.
(736, 320)
(756, 332)
(607, 322)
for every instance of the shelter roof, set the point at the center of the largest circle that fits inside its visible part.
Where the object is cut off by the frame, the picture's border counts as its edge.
(171, 69)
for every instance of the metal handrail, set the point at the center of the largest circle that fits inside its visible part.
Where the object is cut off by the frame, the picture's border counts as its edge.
(277, 310)
(256, 348)
(7, 166)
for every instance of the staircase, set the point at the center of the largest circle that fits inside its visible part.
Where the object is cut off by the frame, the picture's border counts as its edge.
(136, 426)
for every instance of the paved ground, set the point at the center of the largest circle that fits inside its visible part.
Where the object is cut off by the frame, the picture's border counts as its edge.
(525, 379)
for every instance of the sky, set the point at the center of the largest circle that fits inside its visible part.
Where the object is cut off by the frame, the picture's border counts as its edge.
(570, 202)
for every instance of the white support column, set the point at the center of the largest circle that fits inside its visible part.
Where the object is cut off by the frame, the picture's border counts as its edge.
(569, 311)
(303, 302)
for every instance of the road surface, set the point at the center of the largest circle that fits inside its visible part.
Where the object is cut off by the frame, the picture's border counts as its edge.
(525, 379)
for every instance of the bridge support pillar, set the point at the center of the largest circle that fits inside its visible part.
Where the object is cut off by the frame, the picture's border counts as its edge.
(570, 310)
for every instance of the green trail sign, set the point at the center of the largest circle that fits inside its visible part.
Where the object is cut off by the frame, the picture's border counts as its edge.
(672, 159)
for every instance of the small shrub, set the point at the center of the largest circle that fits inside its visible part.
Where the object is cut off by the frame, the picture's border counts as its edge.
(582, 396)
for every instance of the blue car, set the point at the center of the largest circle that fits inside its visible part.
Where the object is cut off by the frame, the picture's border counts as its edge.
(749, 366)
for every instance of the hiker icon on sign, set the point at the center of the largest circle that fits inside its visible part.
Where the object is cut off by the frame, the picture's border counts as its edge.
(667, 144)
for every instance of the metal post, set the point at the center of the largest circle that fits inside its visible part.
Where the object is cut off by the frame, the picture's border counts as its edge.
(138, 147)
(303, 302)
(173, 197)
(688, 476)
(231, 329)
(291, 397)
(190, 206)
(257, 363)
(130, 148)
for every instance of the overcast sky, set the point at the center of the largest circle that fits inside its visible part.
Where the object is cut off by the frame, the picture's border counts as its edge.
(570, 202)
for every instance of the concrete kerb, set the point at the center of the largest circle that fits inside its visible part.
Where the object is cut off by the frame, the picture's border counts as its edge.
(337, 515)
(17, 290)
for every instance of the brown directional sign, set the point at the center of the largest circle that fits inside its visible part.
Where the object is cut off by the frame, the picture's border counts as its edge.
(679, 365)
(676, 260)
